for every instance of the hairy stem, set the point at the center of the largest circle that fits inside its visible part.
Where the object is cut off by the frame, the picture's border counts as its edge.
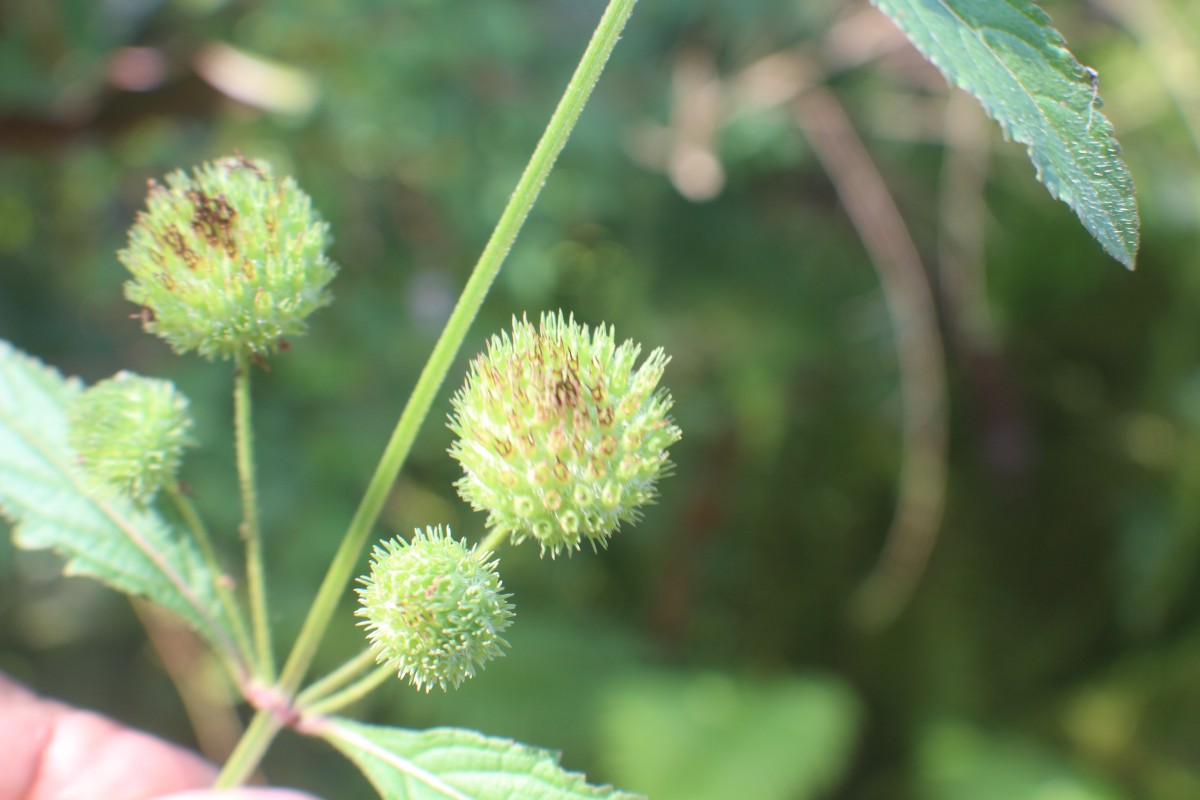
(342, 567)
(250, 749)
(249, 529)
(241, 634)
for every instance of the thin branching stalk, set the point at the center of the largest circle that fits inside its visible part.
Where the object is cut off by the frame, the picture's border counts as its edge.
(250, 531)
(241, 633)
(347, 672)
(351, 694)
(433, 375)
(345, 560)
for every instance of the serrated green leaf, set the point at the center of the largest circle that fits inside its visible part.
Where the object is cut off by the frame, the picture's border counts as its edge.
(52, 506)
(457, 764)
(1006, 54)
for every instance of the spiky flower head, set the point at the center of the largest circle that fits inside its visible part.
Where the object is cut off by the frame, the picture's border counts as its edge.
(227, 261)
(129, 433)
(434, 610)
(560, 438)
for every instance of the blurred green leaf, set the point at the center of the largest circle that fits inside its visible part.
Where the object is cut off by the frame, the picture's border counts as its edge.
(458, 764)
(712, 737)
(959, 762)
(1007, 55)
(130, 548)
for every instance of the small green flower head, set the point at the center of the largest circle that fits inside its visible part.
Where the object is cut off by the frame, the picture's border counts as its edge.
(129, 433)
(434, 609)
(560, 438)
(228, 261)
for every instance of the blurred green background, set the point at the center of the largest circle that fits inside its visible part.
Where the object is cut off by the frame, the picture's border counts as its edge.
(1050, 649)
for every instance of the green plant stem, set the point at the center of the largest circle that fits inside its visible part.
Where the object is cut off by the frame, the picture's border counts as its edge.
(249, 529)
(492, 541)
(352, 693)
(244, 656)
(342, 567)
(434, 374)
(336, 679)
(250, 749)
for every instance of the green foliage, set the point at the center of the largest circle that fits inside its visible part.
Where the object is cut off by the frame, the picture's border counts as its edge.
(1056, 618)
(1006, 54)
(457, 764)
(112, 539)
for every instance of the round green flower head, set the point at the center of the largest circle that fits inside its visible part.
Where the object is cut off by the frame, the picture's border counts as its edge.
(129, 433)
(227, 261)
(434, 609)
(560, 438)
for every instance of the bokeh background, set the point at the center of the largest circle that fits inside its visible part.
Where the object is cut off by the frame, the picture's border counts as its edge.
(772, 629)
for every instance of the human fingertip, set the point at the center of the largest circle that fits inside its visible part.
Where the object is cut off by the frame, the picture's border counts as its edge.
(240, 794)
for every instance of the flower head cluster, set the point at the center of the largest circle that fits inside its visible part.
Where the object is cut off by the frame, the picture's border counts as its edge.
(560, 438)
(129, 433)
(434, 609)
(227, 261)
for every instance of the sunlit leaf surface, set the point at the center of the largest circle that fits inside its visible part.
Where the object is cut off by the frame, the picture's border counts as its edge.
(1006, 54)
(457, 764)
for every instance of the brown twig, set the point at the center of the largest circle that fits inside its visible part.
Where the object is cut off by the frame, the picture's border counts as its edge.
(789, 77)
(202, 690)
(910, 304)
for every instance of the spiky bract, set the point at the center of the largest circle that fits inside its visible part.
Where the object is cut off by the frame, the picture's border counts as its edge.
(228, 261)
(434, 609)
(129, 433)
(561, 439)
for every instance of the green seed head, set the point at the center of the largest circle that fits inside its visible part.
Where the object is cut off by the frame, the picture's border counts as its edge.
(434, 609)
(560, 438)
(227, 261)
(129, 433)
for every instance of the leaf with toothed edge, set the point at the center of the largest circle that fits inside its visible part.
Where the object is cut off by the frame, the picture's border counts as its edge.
(51, 505)
(1006, 54)
(456, 764)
